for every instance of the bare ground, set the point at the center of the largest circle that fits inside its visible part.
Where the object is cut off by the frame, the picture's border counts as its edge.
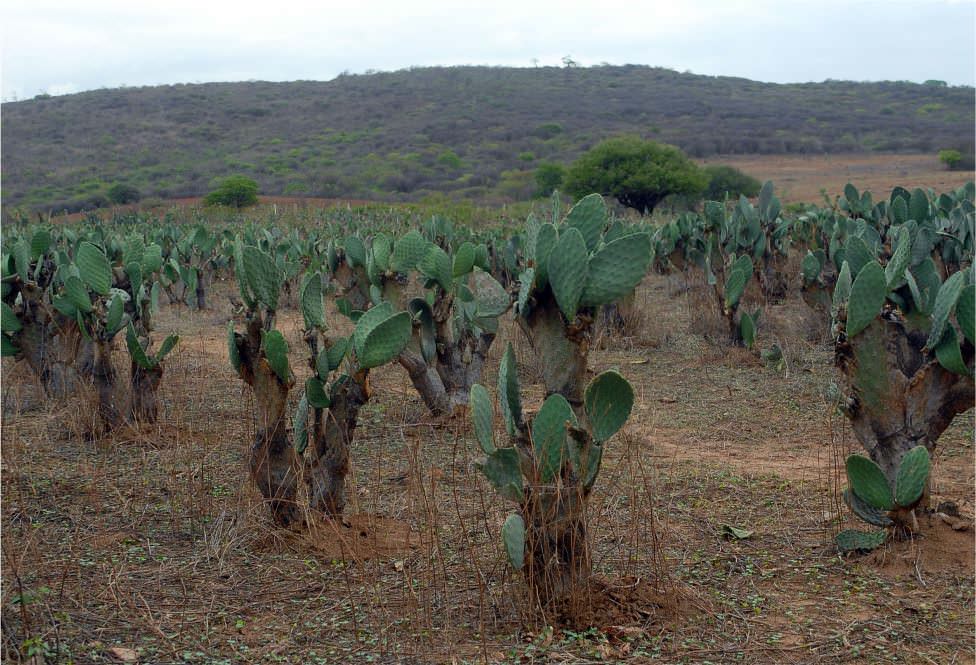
(152, 546)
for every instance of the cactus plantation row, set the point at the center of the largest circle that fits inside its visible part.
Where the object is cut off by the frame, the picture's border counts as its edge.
(892, 282)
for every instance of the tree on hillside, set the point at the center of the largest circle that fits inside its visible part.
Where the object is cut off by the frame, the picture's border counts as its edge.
(121, 193)
(638, 173)
(237, 191)
(728, 180)
(548, 176)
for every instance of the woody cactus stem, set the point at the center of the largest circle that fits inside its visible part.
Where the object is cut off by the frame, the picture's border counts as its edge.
(274, 464)
(144, 405)
(333, 432)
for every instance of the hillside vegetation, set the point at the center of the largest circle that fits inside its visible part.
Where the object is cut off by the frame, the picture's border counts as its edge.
(474, 132)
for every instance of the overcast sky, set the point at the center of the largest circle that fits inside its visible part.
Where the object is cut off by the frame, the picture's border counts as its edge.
(58, 47)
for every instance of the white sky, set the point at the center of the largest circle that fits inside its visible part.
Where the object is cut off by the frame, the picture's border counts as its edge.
(72, 45)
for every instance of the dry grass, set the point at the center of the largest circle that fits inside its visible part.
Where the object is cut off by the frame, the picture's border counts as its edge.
(153, 540)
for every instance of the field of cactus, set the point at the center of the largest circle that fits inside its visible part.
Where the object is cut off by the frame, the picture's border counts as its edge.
(743, 434)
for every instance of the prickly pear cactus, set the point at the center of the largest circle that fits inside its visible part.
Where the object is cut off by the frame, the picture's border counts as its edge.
(549, 469)
(568, 270)
(877, 501)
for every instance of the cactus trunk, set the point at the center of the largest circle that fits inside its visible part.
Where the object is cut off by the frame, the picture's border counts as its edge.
(562, 349)
(105, 378)
(201, 290)
(274, 464)
(144, 405)
(898, 398)
(558, 562)
(327, 472)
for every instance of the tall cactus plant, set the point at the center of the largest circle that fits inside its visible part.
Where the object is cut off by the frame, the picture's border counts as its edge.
(259, 354)
(568, 272)
(548, 469)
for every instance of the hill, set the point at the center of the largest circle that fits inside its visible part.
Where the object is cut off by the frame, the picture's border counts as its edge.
(476, 132)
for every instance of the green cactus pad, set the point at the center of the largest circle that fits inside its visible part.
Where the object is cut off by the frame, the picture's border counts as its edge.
(868, 482)
(330, 358)
(568, 271)
(315, 393)
(842, 289)
(77, 294)
(313, 309)
(739, 276)
(918, 206)
(810, 268)
(136, 351)
(608, 401)
(482, 417)
(152, 259)
(261, 275)
(8, 320)
(549, 435)
(463, 259)
(898, 263)
(40, 243)
(898, 211)
(867, 296)
(513, 537)
(508, 391)
(616, 269)
(858, 254)
(913, 477)
(94, 268)
(945, 303)
(526, 283)
(355, 251)
(382, 249)
(853, 540)
(866, 511)
(503, 470)
(436, 265)
(386, 340)
(966, 312)
(408, 251)
(589, 217)
(949, 353)
(166, 347)
(300, 426)
(369, 320)
(113, 318)
(276, 352)
(544, 244)
(491, 298)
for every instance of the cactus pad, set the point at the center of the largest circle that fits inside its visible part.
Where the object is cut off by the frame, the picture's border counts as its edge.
(94, 268)
(502, 469)
(966, 312)
(866, 511)
(508, 392)
(136, 351)
(852, 540)
(300, 426)
(739, 276)
(385, 341)
(482, 417)
(313, 309)
(913, 476)
(436, 265)
(463, 259)
(549, 435)
(869, 483)
(616, 269)
(945, 303)
(315, 393)
(276, 352)
(544, 244)
(513, 537)
(261, 276)
(568, 271)
(77, 294)
(608, 401)
(589, 216)
(867, 296)
(8, 320)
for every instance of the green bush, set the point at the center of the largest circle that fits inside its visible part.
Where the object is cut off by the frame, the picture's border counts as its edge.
(237, 191)
(951, 158)
(548, 177)
(729, 180)
(121, 193)
(638, 173)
